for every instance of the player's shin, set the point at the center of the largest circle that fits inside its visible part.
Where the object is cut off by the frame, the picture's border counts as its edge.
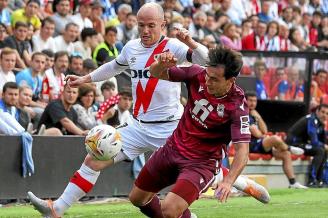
(80, 184)
(152, 208)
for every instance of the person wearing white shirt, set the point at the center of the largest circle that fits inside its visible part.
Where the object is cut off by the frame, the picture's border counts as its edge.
(65, 41)
(7, 64)
(81, 18)
(44, 39)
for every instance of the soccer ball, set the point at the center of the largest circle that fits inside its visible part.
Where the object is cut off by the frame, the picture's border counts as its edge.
(103, 142)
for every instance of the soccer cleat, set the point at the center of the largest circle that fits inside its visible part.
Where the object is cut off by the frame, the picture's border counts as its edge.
(296, 150)
(44, 207)
(297, 185)
(252, 188)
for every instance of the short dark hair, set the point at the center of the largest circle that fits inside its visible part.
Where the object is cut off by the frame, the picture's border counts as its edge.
(232, 60)
(20, 24)
(88, 32)
(9, 85)
(250, 94)
(322, 106)
(37, 54)
(110, 28)
(321, 70)
(48, 52)
(107, 85)
(59, 54)
(125, 91)
(47, 20)
(70, 24)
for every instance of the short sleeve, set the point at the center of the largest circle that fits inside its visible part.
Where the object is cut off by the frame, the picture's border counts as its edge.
(121, 59)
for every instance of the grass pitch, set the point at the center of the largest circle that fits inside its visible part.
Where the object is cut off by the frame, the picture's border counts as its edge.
(284, 203)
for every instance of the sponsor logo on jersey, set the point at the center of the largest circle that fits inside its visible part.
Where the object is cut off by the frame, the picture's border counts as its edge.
(140, 74)
(220, 110)
(244, 125)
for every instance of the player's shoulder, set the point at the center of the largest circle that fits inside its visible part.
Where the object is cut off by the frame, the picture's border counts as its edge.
(132, 43)
(175, 43)
(237, 96)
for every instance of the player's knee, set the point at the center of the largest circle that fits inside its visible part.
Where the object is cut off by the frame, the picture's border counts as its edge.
(170, 210)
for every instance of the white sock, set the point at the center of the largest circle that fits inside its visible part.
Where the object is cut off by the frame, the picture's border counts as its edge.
(240, 183)
(72, 192)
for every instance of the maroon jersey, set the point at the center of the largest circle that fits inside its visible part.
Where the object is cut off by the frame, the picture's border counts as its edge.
(208, 123)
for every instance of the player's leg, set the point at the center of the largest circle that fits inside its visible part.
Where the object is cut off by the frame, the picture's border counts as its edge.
(85, 178)
(245, 185)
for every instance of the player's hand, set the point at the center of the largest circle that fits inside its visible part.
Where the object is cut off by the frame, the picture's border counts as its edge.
(75, 81)
(167, 60)
(183, 35)
(222, 191)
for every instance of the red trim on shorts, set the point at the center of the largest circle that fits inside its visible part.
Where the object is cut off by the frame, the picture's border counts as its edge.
(186, 190)
(146, 182)
(225, 171)
(81, 182)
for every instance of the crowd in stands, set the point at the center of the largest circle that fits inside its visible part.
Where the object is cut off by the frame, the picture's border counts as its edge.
(42, 41)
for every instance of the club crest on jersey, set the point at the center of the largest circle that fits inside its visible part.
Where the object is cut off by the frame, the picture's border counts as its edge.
(133, 60)
(220, 110)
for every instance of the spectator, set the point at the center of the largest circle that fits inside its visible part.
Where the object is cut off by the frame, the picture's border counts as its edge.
(323, 34)
(272, 38)
(28, 14)
(127, 30)
(260, 70)
(321, 86)
(10, 100)
(82, 18)
(61, 16)
(209, 41)
(264, 15)
(18, 43)
(3, 34)
(294, 89)
(30, 32)
(32, 76)
(88, 66)
(284, 41)
(287, 16)
(212, 27)
(50, 58)
(96, 17)
(4, 14)
(43, 39)
(314, 5)
(106, 51)
(230, 38)
(119, 114)
(7, 64)
(309, 134)
(314, 28)
(75, 64)
(255, 41)
(122, 11)
(261, 143)
(53, 81)
(89, 41)
(297, 42)
(61, 115)
(279, 83)
(197, 28)
(108, 89)
(24, 102)
(246, 28)
(86, 108)
(65, 42)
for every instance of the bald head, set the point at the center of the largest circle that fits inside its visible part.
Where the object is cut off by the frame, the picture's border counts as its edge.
(151, 9)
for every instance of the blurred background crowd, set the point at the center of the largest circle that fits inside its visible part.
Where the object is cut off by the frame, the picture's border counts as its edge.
(41, 41)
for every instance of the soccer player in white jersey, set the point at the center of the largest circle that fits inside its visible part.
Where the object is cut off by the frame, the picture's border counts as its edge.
(157, 107)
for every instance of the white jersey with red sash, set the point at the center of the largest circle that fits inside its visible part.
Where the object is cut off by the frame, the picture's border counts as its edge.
(153, 99)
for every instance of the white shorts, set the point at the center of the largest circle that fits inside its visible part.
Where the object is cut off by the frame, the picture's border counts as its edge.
(137, 138)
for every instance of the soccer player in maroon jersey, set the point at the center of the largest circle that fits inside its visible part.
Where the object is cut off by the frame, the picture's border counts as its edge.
(216, 113)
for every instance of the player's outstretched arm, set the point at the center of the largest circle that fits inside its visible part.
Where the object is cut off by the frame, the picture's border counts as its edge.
(200, 52)
(237, 166)
(159, 68)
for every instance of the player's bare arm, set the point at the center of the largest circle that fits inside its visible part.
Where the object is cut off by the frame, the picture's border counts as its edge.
(237, 166)
(75, 81)
(184, 36)
(159, 68)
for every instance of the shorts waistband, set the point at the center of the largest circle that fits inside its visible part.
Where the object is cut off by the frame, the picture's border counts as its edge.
(153, 122)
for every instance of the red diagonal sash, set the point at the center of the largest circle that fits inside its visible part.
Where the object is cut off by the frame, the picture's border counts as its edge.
(143, 97)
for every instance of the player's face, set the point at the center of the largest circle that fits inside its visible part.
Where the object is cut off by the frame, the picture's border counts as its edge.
(322, 114)
(150, 27)
(252, 102)
(215, 81)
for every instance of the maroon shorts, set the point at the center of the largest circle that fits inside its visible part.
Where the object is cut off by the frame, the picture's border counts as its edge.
(167, 166)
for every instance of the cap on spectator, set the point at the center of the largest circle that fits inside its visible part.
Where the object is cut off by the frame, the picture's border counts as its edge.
(34, 1)
(96, 4)
(85, 2)
(89, 64)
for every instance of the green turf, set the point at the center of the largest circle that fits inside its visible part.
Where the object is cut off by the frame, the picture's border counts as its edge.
(284, 203)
